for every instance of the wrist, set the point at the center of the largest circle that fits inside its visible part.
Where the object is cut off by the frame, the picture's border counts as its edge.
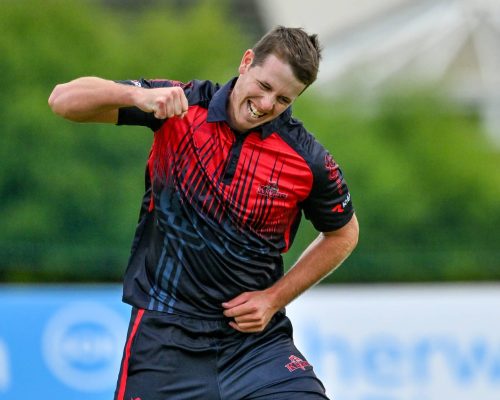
(275, 298)
(133, 96)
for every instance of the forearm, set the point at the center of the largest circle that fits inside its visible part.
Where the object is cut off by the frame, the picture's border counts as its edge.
(91, 99)
(252, 311)
(322, 256)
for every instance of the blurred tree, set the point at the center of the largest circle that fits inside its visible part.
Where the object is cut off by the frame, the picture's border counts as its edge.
(70, 193)
(425, 184)
(423, 178)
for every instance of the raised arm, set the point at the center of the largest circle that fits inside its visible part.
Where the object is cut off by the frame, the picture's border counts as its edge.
(92, 99)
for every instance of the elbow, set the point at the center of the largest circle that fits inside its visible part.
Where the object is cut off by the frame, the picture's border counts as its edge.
(62, 102)
(350, 235)
(344, 239)
(354, 232)
(55, 102)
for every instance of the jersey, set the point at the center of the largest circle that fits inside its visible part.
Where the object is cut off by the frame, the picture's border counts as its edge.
(221, 207)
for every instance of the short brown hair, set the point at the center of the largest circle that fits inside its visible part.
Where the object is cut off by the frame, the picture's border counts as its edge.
(294, 46)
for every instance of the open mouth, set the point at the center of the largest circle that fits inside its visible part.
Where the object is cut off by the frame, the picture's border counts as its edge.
(253, 112)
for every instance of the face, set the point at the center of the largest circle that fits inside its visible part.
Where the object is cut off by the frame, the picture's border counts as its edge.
(261, 92)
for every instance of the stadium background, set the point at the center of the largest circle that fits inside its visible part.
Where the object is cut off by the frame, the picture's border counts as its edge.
(422, 165)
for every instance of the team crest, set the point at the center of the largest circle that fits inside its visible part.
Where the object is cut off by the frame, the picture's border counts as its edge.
(271, 191)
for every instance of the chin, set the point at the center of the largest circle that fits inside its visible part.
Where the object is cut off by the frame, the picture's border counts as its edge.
(253, 126)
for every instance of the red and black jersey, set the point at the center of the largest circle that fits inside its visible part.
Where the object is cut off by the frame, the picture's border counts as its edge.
(220, 207)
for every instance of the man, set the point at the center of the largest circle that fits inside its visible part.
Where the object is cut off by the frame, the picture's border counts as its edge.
(229, 174)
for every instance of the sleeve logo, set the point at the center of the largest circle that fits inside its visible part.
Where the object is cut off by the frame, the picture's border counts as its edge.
(333, 172)
(339, 208)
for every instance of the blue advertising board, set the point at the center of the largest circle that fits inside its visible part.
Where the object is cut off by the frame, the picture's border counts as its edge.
(61, 343)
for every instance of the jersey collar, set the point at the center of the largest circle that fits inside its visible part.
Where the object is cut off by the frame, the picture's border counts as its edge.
(217, 111)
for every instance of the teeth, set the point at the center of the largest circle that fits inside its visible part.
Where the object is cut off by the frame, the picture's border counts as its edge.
(254, 112)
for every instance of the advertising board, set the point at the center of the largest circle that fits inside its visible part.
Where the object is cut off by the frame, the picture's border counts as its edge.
(422, 342)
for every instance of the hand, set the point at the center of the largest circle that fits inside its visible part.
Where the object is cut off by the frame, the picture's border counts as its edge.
(251, 311)
(163, 102)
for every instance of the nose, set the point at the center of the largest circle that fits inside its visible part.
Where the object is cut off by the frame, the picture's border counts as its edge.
(267, 103)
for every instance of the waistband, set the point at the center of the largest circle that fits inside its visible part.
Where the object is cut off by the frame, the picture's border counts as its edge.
(215, 327)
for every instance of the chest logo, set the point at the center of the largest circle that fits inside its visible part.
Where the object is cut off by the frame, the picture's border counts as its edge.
(271, 191)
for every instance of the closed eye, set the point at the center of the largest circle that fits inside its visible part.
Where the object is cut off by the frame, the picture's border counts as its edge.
(284, 100)
(264, 85)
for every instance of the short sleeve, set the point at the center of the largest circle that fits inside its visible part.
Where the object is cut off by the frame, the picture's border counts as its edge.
(329, 205)
(134, 115)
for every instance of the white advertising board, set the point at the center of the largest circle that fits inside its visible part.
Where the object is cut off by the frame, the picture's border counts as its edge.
(416, 342)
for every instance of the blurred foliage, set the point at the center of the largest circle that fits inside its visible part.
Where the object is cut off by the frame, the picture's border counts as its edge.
(425, 183)
(70, 193)
(423, 178)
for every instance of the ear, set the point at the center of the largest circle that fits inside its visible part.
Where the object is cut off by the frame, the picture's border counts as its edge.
(246, 61)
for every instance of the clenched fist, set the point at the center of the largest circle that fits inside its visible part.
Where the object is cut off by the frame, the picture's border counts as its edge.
(163, 102)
